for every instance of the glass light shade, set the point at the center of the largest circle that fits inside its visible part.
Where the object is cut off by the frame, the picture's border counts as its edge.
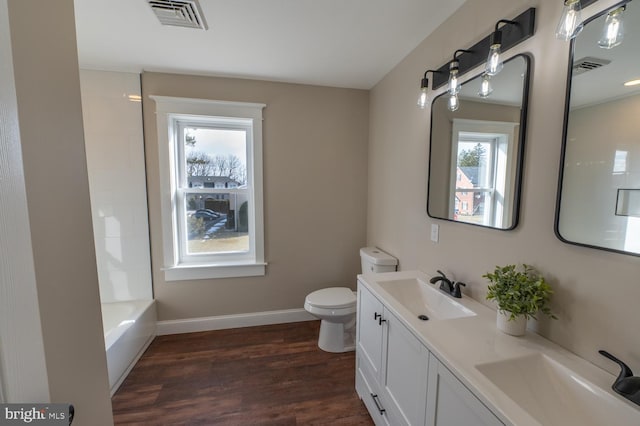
(423, 97)
(494, 63)
(453, 103)
(454, 87)
(612, 33)
(485, 86)
(570, 23)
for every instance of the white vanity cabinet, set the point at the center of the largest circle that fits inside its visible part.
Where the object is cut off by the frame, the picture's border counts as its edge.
(450, 403)
(400, 381)
(391, 365)
(369, 331)
(369, 342)
(405, 373)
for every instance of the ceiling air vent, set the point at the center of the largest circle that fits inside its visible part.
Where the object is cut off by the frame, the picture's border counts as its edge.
(179, 13)
(588, 63)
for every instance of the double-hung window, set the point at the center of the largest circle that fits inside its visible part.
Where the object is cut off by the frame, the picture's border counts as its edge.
(483, 159)
(210, 156)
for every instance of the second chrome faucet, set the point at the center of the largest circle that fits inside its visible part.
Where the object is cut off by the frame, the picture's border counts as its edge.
(448, 286)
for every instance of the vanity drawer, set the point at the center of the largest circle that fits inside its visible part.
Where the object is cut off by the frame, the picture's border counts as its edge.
(370, 395)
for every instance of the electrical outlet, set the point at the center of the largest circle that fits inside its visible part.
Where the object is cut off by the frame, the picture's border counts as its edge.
(435, 232)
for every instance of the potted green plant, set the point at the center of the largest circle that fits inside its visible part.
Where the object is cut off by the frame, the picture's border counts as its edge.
(521, 293)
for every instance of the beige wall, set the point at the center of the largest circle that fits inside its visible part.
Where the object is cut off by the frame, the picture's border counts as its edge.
(596, 292)
(48, 100)
(315, 185)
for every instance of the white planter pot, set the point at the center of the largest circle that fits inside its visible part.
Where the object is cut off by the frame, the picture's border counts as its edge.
(515, 327)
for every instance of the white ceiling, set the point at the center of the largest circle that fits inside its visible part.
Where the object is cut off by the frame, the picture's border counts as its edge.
(606, 83)
(341, 43)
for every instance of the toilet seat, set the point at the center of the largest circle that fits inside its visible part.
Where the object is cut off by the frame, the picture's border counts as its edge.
(331, 298)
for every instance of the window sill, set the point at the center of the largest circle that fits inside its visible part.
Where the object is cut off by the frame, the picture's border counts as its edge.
(207, 271)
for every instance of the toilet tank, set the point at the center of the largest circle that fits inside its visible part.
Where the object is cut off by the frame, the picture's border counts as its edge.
(375, 260)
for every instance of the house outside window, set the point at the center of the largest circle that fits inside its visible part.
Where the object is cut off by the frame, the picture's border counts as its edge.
(211, 176)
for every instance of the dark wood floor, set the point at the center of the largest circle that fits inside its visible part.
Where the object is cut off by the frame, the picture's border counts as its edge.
(268, 375)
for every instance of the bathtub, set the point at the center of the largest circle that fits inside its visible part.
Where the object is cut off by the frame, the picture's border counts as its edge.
(129, 327)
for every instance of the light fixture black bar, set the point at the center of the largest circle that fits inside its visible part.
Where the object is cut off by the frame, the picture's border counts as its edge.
(585, 3)
(477, 54)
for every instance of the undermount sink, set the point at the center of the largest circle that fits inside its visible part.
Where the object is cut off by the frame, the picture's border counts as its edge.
(555, 395)
(421, 298)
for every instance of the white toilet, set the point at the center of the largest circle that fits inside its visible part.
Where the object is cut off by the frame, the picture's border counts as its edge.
(336, 306)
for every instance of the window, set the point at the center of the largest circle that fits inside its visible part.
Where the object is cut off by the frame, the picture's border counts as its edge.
(482, 155)
(211, 184)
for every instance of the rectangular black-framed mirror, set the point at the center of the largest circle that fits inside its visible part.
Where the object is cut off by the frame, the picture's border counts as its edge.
(599, 180)
(476, 151)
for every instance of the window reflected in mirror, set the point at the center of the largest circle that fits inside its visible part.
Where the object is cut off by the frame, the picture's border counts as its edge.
(476, 151)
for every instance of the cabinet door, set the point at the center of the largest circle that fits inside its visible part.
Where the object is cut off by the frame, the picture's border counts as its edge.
(370, 311)
(405, 373)
(450, 403)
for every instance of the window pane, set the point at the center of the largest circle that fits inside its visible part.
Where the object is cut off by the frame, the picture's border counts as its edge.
(470, 207)
(217, 223)
(215, 158)
(474, 165)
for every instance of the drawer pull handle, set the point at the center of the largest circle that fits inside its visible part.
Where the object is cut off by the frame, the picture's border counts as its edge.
(378, 406)
(380, 320)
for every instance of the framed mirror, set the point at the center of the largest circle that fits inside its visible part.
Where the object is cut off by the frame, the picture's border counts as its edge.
(475, 152)
(599, 185)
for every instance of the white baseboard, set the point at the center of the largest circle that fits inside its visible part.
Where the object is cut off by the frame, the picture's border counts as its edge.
(222, 322)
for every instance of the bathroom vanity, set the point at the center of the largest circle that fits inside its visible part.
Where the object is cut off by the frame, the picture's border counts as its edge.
(455, 368)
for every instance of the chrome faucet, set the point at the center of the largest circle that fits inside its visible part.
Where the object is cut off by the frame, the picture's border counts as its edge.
(448, 286)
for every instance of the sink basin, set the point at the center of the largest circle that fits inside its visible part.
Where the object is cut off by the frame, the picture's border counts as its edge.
(421, 298)
(555, 395)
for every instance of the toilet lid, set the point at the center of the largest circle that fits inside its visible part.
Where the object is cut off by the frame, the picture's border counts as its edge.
(333, 297)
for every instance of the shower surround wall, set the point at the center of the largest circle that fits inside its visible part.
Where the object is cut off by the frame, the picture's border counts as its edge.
(112, 115)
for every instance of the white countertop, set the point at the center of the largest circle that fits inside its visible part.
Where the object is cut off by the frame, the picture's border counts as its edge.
(463, 343)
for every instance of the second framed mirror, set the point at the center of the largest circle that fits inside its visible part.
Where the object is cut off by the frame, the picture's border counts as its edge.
(599, 189)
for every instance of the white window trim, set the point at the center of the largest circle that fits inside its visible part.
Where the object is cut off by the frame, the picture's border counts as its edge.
(179, 123)
(167, 109)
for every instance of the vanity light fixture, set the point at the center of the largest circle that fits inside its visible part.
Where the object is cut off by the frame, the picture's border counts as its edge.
(570, 23)
(612, 32)
(485, 86)
(423, 96)
(453, 88)
(511, 35)
(454, 67)
(632, 83)
(494, 62)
